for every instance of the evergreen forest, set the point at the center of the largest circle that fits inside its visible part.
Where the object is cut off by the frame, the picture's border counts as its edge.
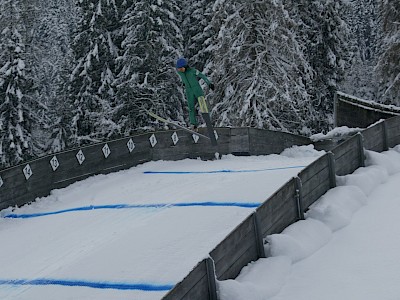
(76, 72)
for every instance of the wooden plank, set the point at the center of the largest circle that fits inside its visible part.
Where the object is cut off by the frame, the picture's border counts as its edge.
(14, 187)
(18, 191)
(314, 180)
(312, 195)
(393, 131)
(374, 138)
(315, 167)
(240, 242)
(233, 240)
(347, 156)
(239, 143)
(279, 211)
(197, 292)
(315, 194)
(262, 142)
(354, 112)
(350, 145)
(347, 165)
(240, 262)
(224, 141)
(193, 287)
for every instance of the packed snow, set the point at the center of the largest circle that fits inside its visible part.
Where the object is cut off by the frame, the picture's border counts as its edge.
(136, 233)
(346, 248)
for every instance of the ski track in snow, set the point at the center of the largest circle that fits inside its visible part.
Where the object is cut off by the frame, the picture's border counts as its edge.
(78, 244)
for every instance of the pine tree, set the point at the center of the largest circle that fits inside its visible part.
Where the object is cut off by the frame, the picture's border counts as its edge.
(326, 35)
(152, 43)
(96, 49)
(197, 31)
(360, 76)
(388, 65)
(52, 62)
(17, 108)
(259, 68)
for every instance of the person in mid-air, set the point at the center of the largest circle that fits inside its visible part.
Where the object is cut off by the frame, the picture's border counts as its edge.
(189, 77)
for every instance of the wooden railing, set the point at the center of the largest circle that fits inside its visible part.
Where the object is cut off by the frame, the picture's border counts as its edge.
(354, 112)
(24, 183)
(286, 206)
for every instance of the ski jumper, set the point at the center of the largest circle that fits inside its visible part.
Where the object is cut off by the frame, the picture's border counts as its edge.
(193, 89)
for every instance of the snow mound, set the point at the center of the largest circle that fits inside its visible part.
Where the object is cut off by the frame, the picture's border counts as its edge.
(390, 160)
(397, 148)
(258, 280)
(335, 133)
(336, 208)
(299, 240)
(302, 151)
(366, 178)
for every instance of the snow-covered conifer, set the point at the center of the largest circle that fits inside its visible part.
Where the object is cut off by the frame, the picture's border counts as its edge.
(388, 65)
(96, 48)
(17, 108)
(197, 31)
(260, 70)
(152, 43)
(326, 35)
(52, 61)
(360, 80)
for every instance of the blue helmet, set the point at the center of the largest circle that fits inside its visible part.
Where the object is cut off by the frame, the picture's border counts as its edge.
(181, 63)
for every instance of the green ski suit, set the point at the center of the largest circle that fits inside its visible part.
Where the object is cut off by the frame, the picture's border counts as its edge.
(193, 89)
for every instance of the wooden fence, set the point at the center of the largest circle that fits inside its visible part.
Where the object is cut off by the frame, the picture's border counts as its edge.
(24, 183)
(286, 206)
(354, 112)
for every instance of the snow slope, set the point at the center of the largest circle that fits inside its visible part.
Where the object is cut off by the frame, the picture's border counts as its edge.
(347, 248)
(135, 233)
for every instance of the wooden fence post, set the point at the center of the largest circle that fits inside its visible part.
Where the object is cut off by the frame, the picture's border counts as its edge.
(332, 170)
(258, 235)
(385, 137)
(212, 284)
(335, 109)
(299, 198)
(361, 150)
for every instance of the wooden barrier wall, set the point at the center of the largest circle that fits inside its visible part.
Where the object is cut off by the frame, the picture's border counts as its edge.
(393, 131)
(286, 206)
(354, 112)
(349, 155)
(24, 183)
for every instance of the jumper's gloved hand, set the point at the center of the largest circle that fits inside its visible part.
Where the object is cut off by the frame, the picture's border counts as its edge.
(212, 86)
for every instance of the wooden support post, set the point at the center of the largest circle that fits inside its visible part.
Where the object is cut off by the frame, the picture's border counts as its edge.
(332, 170)
(361, 154)
(258, 235)
(212, 283)
(335, 109)
(299, 200)
(385, 136)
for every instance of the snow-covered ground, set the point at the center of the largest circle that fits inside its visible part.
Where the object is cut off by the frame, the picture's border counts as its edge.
(135, 233)
(347, 248)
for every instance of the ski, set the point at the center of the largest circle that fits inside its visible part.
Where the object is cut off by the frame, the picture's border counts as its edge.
(206, 117)
(175, 124)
